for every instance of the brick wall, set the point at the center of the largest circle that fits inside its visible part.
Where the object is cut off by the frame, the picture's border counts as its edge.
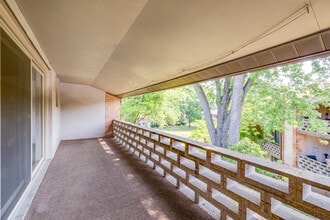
(112, 111)
(299, 145)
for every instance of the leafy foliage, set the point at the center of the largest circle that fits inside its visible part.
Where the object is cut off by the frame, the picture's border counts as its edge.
(246, 146)
(286, 95)
(190, 107)
(200, 132)
(158, 107)
(163, 108)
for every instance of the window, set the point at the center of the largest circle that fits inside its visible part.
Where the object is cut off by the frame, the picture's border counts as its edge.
(37, 118)
(15, 123)
(277, 137)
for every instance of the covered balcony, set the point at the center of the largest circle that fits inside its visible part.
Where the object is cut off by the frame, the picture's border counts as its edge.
(310, 163)
(313, 155)
(306, 130)
(66, 65)
(100, 179)
(146, 174)
(273, 149)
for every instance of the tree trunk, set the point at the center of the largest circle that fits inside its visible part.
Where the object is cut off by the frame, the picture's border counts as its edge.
(207, 113)
(230, 94)
(223, 94)
(236, 110)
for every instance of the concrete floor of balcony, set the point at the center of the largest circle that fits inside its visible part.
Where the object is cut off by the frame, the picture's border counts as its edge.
(98, 179)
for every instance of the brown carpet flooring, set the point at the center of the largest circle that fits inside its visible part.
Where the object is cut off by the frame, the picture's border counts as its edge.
(89, 179)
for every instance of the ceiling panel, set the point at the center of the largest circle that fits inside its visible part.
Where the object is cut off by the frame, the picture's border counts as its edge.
(78, 36)
(310, 45)
(125, 47)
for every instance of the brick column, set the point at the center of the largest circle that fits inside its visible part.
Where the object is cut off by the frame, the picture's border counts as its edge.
(300, 145)
(112, 111)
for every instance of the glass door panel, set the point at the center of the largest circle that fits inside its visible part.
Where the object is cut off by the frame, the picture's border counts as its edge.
(37, 118)
(15, 123)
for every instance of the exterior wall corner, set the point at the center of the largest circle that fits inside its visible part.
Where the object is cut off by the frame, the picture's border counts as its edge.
(112, 112)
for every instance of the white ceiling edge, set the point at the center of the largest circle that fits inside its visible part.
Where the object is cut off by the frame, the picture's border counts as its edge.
(299, 47)
(29, 33)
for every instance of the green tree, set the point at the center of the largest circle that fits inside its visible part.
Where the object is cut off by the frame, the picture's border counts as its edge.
(286, 95)
(200, 132)
(161, 108)
(190, 107)
(264, 101)
(229, 95)
(246, 146)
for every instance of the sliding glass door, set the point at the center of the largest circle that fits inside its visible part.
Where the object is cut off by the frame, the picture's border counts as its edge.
(15, 123)
(37, 118)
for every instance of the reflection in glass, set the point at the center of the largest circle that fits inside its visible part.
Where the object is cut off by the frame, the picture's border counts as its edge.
(15, 121)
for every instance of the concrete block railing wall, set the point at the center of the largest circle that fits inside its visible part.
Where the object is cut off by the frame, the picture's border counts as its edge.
(313, 166)
(229, 185)
(305, 129)
(273, 149)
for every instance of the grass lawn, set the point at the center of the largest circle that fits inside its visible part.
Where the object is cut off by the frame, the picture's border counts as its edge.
(182, 131)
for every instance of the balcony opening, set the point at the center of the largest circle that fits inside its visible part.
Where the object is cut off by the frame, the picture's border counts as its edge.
(283, 112)
(274, 128)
